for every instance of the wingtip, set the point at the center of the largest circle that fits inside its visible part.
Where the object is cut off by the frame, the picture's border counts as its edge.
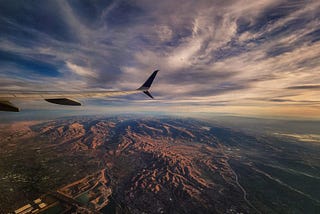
(147, 84)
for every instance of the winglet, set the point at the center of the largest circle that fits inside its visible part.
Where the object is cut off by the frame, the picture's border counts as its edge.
(148, 94)
(147, 84)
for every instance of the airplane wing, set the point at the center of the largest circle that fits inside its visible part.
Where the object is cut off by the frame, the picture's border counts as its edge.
(65, 97)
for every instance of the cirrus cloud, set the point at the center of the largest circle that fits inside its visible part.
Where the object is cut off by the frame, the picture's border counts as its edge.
(258, 53)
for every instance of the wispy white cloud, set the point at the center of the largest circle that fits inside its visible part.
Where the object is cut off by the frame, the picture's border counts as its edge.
(82, 71)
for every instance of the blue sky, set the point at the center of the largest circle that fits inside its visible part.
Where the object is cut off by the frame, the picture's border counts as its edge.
(243, 57)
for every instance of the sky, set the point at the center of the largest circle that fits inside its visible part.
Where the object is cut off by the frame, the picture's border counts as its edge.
(243, 57)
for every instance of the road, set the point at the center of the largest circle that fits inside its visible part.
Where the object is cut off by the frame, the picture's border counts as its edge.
(242, 189)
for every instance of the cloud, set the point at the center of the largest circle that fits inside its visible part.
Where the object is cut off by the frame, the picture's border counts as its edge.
(81, 71)
(249, 53)
(302, 137)
(306, 87)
